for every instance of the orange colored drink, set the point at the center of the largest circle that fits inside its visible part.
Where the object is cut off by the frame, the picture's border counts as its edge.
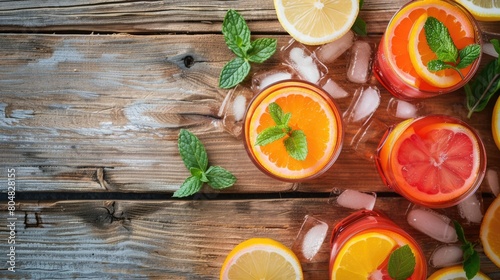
(362, 244)
(403, 53)
(435, 161)
(313, 111)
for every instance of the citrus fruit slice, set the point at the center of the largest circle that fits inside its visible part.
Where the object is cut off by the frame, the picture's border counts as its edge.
(362, 255)
(261, 258)
(455, 273)
(316, 22)
(421, 54)
(313, 112)
(435, 162)
(397, 40)
(495, 123)
(490, 227)
(484, 10)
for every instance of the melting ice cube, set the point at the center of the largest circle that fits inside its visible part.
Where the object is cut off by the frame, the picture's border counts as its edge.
(233, 108)
(329, 52)
(359, 66)
(263, 79)
(492, 180)
(364, 103)
(304, 62)
(310, 238)
(446, 255)
(433, 224)
(402, 109)
(354, 199)
(330, 86)
(470, 209)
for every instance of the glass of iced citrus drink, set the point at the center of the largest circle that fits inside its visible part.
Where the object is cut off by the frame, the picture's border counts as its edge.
(436, 161)
(403, 54)
(362, 244)
(308, 109)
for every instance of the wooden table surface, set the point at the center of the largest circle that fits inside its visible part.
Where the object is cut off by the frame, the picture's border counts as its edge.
(92, 97)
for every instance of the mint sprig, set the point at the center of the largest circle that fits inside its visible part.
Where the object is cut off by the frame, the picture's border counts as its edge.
(194, 156)
(440, 42)
(359, 26)
(237, 36)
(471, 261)
(401, 263)
(295, 139)
(486, 83)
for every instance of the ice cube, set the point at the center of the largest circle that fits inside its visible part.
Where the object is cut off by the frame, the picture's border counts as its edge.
(354, 199)
(307, 66)
(263, 79)
(364, 103)
(433, 224)
(492, 180)
(232, 109)
(330, 86)
(471, 209)
(403, 109)
(360, 63)
(310, 238)
(329, 52)
(446, 255)
(366, 139)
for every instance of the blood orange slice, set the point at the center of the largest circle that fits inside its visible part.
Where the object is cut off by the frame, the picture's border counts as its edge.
(434, 163)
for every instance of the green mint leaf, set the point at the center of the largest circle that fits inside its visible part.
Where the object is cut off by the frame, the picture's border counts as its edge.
(401, 263)
(276, 113)
(190, 186)
(234, 72)
(192, 151)
(262, 49)
(460, 232)
(439, 40)
(285, 119)
(269, 135)
(468, 55)
(437, 65)
(296, 145)
(483, 87)
(220, 178)
(472, 265)
(359, 27)
(236, 33)
(200, 174)
(496, 46)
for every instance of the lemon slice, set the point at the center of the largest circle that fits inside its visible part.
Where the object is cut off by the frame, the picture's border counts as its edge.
(484, 10)
(316, 22)
(261, 258)
(455, 273)
(495, 123)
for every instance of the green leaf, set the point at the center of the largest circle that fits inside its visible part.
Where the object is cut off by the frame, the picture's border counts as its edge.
(276, 113)
(236, 33)
(401, 263)
(234, 72)
(483, 87)
(200, 174)
(460, 232)
(220, 178)
(437, 65)
(439, 40)
(472, 265)
(190, 186)
(296, 145)
(262, 49)
(496, 46)
(192, 151)
(359, 27)
(468, 55)
(471, 262)
(269, 135)
(285, 119)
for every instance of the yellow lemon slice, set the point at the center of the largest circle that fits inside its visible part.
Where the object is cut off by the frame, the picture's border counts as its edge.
(316, 22)
(484, 10)
(455, 273)
(495, 123)
(261, 258)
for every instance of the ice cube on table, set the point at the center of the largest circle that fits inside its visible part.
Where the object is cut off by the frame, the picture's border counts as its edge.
(471, 208)
(492, 180)
(232, 109)
(433, 224)
(304, 62)
(446, 255)
(263, 79)
(402, 109)
(366, 139)
(332, 88)
(354, 199)
(364, 103)
(360, 62)
(310, 238)
(329, 52)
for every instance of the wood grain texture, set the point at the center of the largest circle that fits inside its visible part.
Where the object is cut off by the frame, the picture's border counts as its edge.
(171, 239)
(75, 106)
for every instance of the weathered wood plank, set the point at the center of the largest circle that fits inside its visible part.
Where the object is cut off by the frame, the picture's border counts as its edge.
(114, 104)
(164, 16)
(169, 239)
